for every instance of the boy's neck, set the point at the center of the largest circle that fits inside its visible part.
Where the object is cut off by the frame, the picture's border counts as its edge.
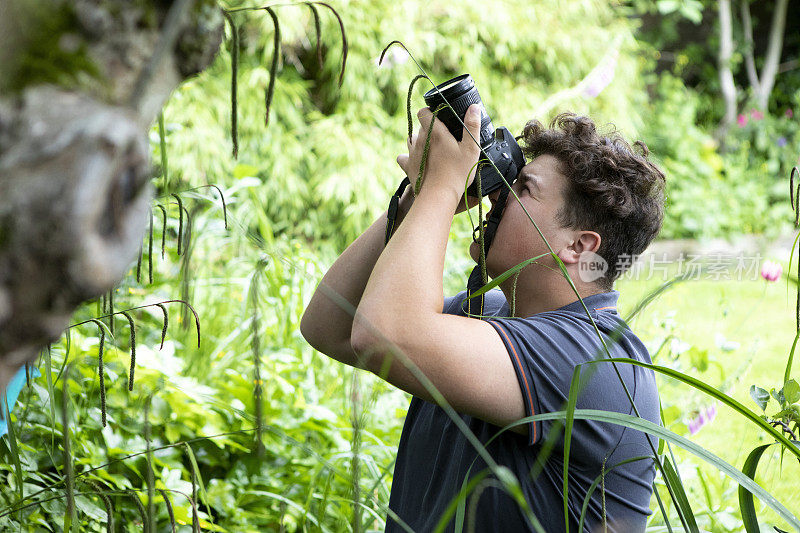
(544, 290)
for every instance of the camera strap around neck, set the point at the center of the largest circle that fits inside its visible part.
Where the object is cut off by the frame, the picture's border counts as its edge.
(475, 282)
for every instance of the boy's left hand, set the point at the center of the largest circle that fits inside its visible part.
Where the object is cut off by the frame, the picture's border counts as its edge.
(450, 163)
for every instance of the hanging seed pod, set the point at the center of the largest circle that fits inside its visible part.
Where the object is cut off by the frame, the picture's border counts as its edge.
(150, 250)
(344, 39)
(426, 150)
(139, 265)
(317, 31)
(100, 371)
(133, 348)
(166, 323)
(111, 311)
(234, 83)
(273, 73)
(101, 493)
(163, 228)
(224, 205)
(139, 506)
(408, 103)
(168, 505)
(180, 220)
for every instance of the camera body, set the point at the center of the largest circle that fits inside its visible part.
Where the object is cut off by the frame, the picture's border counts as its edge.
(499, 145)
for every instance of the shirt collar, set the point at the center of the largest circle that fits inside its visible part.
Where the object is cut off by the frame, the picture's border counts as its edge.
(602, 300)
(606, 301)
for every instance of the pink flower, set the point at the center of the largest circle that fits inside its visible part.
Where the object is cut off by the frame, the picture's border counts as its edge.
(705, 416)
(771, 271)
(755, 114)
(789, 113)
(742, 120)
(600, 76)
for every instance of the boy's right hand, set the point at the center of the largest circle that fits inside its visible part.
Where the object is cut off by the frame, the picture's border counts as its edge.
(411, 168)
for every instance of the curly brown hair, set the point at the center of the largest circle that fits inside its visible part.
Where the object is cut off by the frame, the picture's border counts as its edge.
(613, 189)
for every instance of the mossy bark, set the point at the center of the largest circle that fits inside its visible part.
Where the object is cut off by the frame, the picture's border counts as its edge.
(81, 82)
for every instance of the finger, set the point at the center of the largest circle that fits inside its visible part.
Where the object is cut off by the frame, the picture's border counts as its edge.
(425, 115)
(402, 161)
(472, 125)
(410, 142)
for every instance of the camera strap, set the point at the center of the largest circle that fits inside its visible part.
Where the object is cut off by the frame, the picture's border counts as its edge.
(391, 215)
(475, 281)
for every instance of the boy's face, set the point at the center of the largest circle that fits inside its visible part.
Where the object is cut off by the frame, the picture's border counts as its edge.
(540, 187)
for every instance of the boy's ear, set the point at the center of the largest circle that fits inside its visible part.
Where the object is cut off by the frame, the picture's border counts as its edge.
(584, 241)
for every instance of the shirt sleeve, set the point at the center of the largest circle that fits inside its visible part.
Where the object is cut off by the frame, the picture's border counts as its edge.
(545, 350)
(452, 304)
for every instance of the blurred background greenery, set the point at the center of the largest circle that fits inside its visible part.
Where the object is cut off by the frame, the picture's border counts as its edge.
(307, 185)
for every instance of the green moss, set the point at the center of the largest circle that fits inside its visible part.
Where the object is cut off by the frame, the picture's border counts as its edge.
(49, 56)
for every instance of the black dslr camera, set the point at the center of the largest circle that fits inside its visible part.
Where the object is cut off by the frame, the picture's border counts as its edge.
(498, 145)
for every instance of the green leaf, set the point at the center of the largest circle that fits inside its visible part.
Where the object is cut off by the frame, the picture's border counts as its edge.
(649, 427)
(680, 495)
(748, 509)
(760, 396)
(779, 397)
(505, 275)
(791, 391)
(243, 170)
(714, 393)
(699, 358)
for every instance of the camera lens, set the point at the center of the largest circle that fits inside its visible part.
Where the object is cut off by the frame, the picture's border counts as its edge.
(460, 92)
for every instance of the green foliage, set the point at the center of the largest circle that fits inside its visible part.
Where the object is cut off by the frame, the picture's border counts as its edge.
(709, 194)
(251, 253)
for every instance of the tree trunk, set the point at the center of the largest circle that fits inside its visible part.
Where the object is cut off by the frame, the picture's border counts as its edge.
(773, 58)
(82, 82)
(762, 85)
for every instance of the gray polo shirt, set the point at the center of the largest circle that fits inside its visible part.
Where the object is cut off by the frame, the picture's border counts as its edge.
(434, 457)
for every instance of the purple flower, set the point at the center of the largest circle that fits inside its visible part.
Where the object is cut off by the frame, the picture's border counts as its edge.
(771, 271)
(600, 76)
(789, 113)
(705, 416)
(755, 114)
(742, 120)
(781, 142)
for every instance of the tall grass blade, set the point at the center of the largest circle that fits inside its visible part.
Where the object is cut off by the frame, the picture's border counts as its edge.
(162, 141)
(715, 393)
(680, 495)
(151, 511)
(70, 515)
(746, 504)
(596, 482)
(13, 447)
(198, 478)
(640, 424)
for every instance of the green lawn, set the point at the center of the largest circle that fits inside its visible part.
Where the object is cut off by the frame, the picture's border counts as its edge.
(759, 317)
